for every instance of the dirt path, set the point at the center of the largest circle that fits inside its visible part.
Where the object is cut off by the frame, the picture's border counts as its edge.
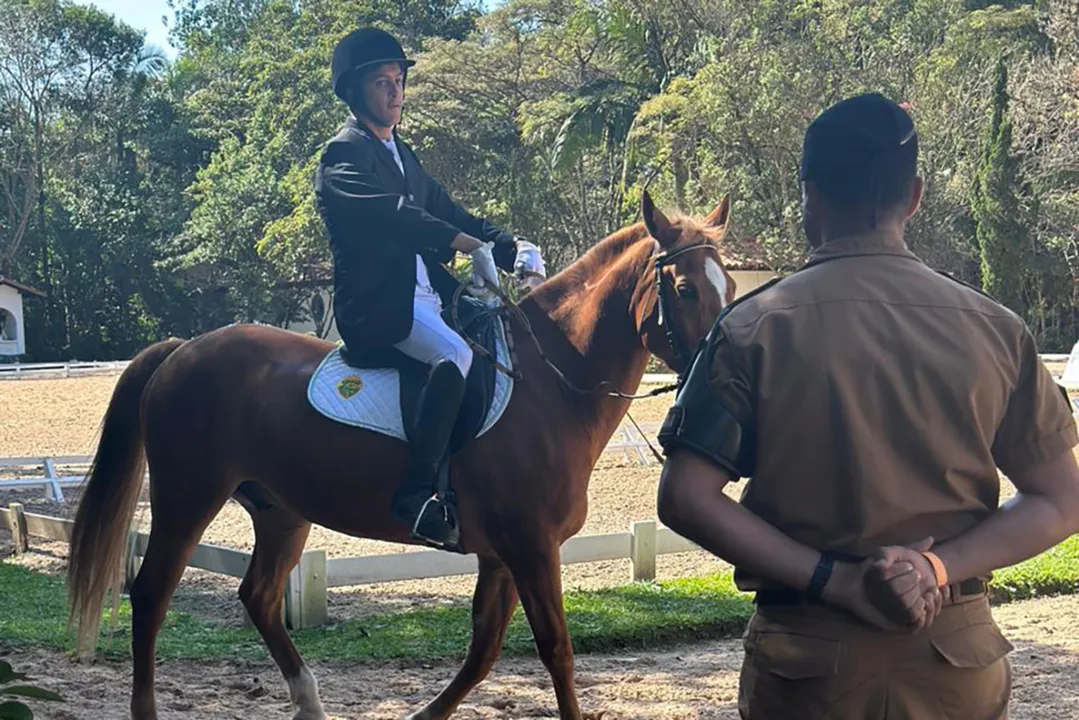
(694, 682)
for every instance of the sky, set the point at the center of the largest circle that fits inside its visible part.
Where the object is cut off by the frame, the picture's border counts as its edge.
(146, 15)
(142, 15)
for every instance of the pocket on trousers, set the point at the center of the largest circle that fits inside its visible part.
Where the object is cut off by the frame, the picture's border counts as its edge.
(974, 646)
(792, 656)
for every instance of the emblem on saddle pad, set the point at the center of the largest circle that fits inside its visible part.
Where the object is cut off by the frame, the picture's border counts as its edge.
(349, 386)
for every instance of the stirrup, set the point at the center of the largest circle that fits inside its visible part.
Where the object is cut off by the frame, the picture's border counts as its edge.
(438, 513)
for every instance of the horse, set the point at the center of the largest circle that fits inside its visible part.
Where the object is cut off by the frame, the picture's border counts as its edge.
(227, 409)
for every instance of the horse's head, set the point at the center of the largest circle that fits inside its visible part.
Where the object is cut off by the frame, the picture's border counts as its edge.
(691, 285)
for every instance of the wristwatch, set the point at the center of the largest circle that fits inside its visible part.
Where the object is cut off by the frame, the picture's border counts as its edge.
(820, 578)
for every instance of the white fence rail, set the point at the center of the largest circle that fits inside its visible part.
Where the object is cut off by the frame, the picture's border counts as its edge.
(53, 481)
(45, 472)
(306, 599)
(304, 606)
(21, 371)
(17, 371)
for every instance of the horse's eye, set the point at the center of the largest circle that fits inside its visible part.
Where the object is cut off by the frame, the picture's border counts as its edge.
(687, 291)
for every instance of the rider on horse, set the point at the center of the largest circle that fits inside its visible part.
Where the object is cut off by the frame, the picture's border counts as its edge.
(391, 227)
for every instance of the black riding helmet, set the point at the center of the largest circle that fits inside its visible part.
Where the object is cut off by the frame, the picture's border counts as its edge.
(363, 48)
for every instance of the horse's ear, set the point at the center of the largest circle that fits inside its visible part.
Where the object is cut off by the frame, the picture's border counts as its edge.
(657, 223)
(722, 213)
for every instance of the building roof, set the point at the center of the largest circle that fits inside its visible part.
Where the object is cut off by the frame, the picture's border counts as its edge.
(24, 289)
(743, 254)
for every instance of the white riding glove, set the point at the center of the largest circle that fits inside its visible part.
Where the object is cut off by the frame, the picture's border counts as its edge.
(484, 269)
(529, 259)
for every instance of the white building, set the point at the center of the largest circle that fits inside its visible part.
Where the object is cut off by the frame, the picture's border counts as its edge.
(12, 327)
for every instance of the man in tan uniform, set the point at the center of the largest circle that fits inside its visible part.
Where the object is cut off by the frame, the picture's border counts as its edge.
(870, 401)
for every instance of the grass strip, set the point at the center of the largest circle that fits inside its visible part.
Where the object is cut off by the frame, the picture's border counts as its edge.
(33, 611)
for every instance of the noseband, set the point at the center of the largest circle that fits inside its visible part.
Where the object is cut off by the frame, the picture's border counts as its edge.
(682, 352)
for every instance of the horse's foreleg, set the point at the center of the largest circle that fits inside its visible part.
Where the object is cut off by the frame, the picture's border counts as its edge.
(280, 536)
(539, 582)
(492, 608)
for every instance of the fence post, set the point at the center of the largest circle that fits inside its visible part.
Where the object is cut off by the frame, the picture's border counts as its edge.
(642, 549)
(305, 595)
(53, 490)
(20, 538)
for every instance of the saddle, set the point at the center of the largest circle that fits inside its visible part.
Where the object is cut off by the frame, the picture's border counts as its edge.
(478, 322)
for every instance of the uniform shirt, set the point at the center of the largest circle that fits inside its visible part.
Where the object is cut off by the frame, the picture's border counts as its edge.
(424, 291)
(881, 397)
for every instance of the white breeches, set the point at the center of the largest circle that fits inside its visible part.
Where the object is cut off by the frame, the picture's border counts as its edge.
(431, 339)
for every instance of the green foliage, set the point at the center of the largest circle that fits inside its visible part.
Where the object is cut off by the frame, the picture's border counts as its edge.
(12, 686)
(1000, 227)
(150, 198)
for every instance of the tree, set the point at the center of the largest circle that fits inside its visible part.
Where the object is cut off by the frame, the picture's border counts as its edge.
(1002, 234)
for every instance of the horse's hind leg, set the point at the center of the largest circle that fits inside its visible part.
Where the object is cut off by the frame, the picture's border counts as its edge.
(178, 522)
(492, 607)
(280, 536)
(539, 581)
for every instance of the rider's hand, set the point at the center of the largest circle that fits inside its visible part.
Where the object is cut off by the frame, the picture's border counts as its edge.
(529, 260)
(483, 267)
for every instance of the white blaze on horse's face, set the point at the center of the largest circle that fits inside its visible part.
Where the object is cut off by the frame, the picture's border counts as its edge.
(717, 278)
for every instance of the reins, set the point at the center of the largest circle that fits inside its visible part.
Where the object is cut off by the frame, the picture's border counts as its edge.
(511, 308)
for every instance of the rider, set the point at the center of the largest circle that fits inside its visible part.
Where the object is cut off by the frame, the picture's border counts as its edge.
(391, 227)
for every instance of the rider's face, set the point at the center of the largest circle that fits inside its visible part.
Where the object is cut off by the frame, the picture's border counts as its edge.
(384, 93)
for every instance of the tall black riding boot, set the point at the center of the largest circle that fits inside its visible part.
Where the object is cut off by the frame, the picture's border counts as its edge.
(431, 520)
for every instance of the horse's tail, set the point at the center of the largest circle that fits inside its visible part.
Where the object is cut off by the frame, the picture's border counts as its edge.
(110, 494)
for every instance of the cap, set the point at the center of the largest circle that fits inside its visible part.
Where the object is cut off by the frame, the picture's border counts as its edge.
(855, 139)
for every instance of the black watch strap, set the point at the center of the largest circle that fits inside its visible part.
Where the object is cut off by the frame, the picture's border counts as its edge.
(820, 578)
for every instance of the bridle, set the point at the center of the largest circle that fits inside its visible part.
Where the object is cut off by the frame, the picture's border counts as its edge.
(682, 353)
(674, 338)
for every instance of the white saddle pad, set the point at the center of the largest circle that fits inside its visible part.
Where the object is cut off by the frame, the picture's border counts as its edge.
(371, 398)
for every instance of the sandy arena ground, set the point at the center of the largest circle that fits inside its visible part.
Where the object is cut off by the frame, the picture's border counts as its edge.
(60, 417)
(694, 682)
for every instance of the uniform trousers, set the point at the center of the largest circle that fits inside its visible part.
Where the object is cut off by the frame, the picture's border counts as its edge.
(812, 662)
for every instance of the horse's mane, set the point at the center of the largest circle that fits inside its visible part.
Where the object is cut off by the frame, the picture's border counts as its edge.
(609, 251)
(604, 254)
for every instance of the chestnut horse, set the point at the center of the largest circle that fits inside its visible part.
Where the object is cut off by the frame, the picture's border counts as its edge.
(230, 407)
